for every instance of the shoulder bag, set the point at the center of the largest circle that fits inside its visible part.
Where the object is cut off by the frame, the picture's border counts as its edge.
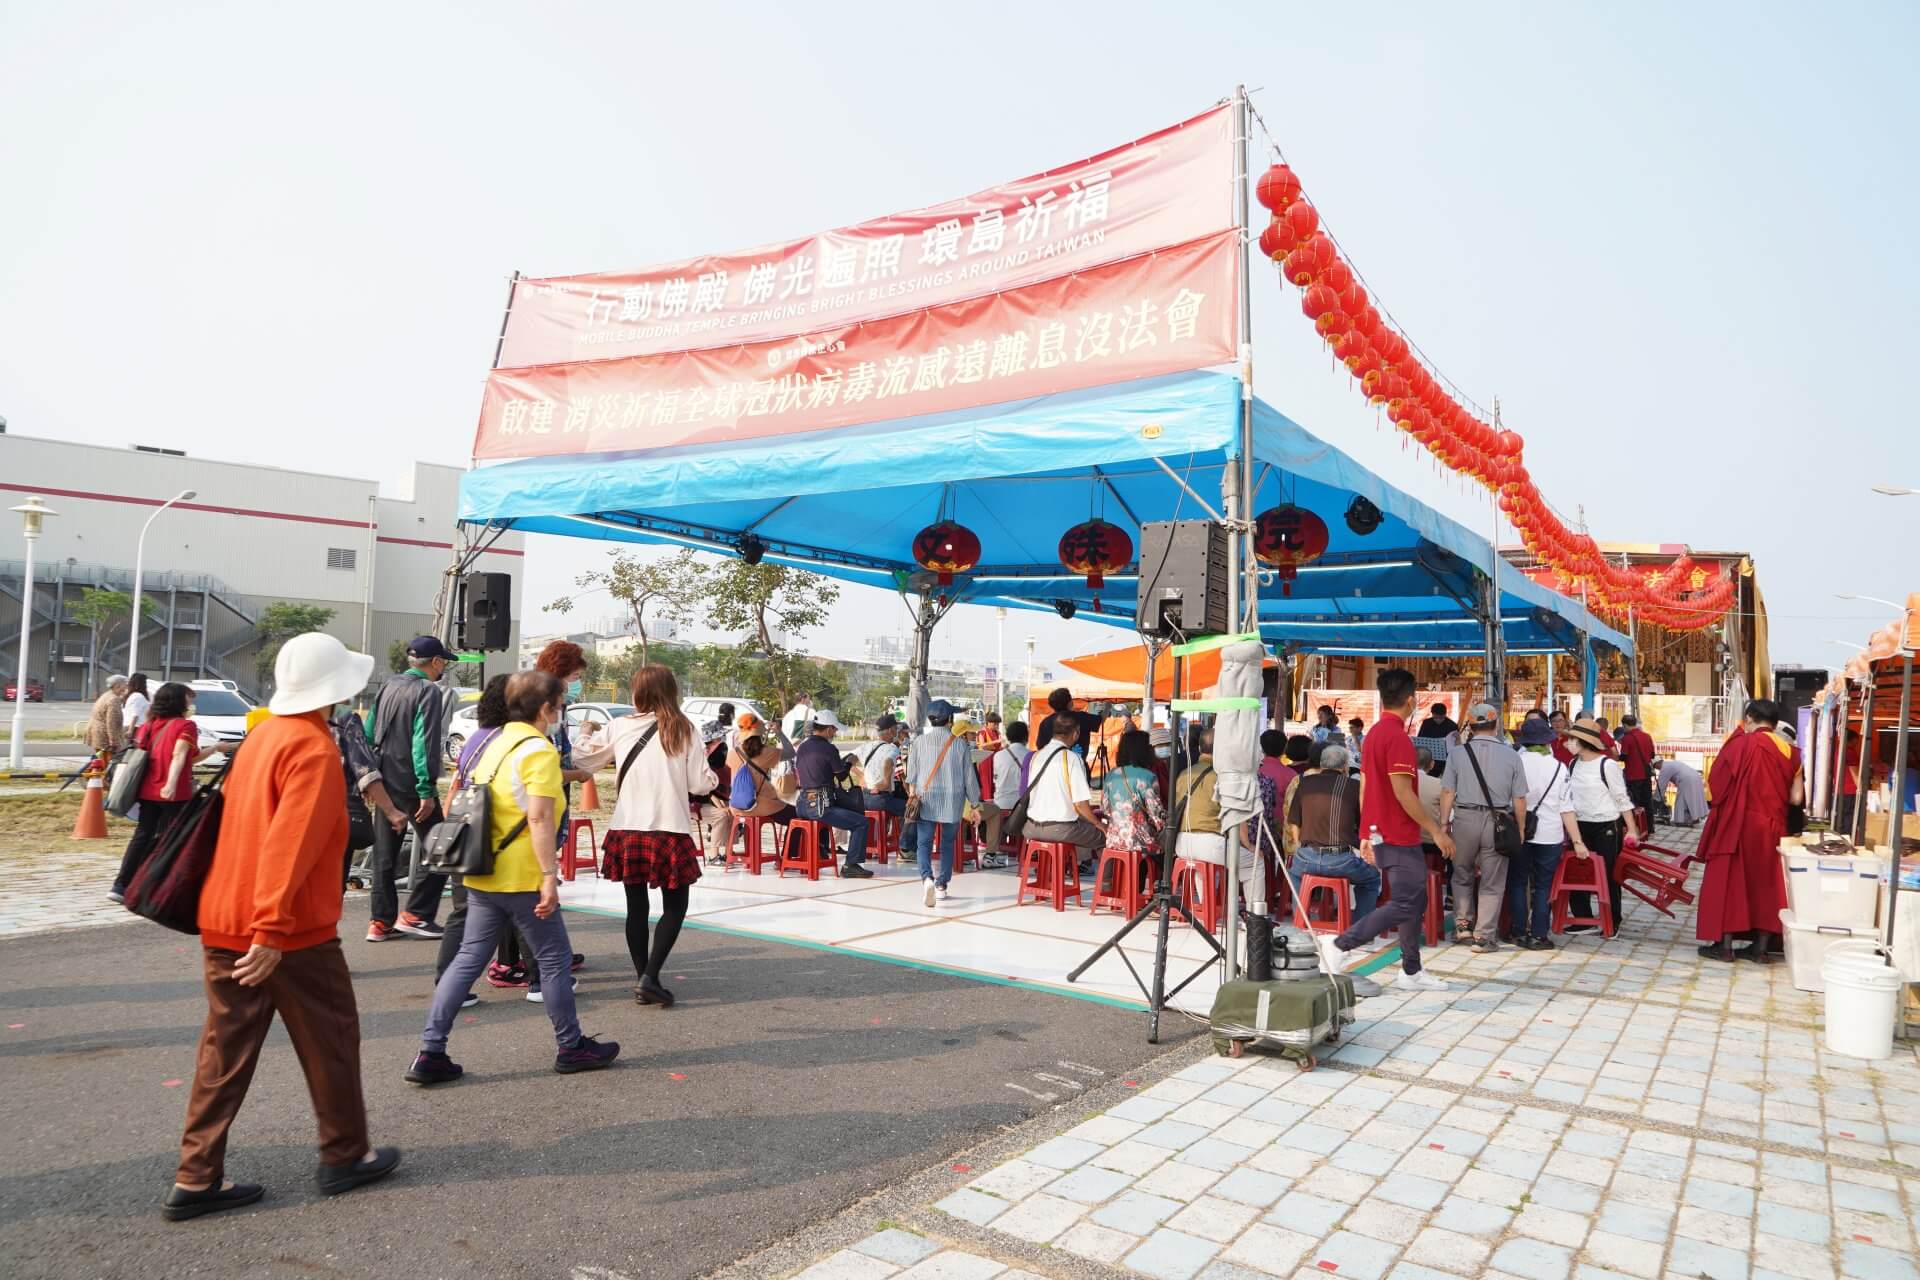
(458, 844)
(1016, 822)
(166, 890)
(1507, 836)
(124, 791)
(1533, 814)
(913, 801)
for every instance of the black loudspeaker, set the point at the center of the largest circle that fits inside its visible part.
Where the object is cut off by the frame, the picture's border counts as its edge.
(1183, 579)
(488, 618)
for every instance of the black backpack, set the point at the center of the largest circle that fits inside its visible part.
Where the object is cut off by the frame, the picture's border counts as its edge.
(458, 843)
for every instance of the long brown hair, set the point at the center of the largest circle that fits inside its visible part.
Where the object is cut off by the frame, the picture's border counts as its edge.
(656, 692)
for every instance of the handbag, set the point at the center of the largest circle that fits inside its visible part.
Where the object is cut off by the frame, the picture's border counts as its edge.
(1507, 836)
(166, 889)
(912, 813)
(458, 844)
(123, 789)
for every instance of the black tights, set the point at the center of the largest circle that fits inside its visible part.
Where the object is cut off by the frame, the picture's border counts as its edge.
(673, 913)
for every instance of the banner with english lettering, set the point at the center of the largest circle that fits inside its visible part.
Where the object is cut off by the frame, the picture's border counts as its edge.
(1159, 312)
(1169, 188)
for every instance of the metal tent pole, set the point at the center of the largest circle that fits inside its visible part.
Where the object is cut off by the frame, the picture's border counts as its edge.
(1897, 818)
(1839, 755)
(1865, 784)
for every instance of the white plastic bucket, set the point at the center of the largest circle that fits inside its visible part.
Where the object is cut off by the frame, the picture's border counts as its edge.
(1863, 1000)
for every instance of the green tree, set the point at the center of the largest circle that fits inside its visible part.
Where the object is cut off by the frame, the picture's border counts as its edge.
(877, 697)
(763, 601)
(672, 587)
(103, 612)
(280, 622)
(397, 656)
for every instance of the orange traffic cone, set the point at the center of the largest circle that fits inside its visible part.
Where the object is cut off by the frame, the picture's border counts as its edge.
(590, 797)
(91, 824)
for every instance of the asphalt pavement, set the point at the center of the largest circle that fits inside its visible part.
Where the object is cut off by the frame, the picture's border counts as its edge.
(786, 1085)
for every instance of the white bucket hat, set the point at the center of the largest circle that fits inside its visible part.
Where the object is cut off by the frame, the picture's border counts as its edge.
(315, 671)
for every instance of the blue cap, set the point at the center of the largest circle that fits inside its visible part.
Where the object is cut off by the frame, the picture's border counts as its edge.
(940, 711)
(1536, 733)
(429, 647)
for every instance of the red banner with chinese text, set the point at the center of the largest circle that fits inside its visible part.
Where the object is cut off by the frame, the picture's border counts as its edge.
(1159, 313)
(1168, 188)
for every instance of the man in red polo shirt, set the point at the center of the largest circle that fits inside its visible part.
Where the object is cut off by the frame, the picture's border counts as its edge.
(1636, 763)
(1395, 822)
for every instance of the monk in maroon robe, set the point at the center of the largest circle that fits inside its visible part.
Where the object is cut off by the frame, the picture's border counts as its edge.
(1754, 778)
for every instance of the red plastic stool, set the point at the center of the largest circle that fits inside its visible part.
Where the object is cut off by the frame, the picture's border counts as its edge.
(1582, 873)
(1654, 881)
(754, 848)
(808, 847)
(1047, 869)
(883, 835)
(1304, 906)
(1279, 894)
(1124, 896)
(1204, 896)
(968, 849)
(570, 859)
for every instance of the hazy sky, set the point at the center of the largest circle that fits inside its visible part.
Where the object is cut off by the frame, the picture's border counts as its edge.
(1675, 240)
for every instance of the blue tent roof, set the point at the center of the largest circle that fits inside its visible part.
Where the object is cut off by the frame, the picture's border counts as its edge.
(848, 502)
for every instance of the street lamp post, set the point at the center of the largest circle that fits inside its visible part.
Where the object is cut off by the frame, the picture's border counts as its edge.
(1000, 666)
(33, 513)
(139, 566)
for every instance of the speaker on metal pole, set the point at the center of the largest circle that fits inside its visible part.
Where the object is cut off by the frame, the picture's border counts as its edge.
(488, 619)
(1183, 579)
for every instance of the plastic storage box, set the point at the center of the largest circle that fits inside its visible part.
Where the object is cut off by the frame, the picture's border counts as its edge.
(1808, 944)
(1833, 888)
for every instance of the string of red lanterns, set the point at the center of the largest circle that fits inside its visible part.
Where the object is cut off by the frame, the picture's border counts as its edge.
(1388, 373)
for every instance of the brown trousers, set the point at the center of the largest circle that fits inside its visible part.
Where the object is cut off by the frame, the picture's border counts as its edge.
(312, 991)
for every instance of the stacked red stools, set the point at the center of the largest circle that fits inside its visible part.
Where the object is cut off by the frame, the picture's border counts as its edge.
(570, 859)
(1048, 868)
(1582, 873)
(1201, 887)
(1116, 882)
(1654, 881)
(883, 835)
(754, 849)
(1324, 904)
(808, 848)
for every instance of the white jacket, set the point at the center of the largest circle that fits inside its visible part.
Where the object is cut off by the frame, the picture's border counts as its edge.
(658, 787)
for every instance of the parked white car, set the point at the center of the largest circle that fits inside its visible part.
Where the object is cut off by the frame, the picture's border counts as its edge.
(464, 723)
(703, 710)
(220, 714)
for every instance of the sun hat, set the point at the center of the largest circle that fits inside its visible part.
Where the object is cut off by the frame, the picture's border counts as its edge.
(825, 719)
(1536, 733)
(1160, 736)
(1588, 730)
(963, 725)
(315, 670)
(747, 722)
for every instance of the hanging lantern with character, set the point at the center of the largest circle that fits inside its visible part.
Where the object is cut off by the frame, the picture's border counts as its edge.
(1287, 537)
(1096, 548)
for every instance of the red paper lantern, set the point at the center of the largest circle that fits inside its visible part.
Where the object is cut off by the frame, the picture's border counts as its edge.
(1338, 277)
(1301, 218)
(1277, 188)
(1332, 324)
(1318, 300)
(1096, 548)
(946, 548)
(1353, 296)
(1276, 241)
(1350, 346)
(1287, 537)
(1312, 256)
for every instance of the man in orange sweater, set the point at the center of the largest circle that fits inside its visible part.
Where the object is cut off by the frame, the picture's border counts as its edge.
(268, 917)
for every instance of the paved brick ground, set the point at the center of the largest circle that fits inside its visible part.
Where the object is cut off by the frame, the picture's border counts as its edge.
(1613, 1108)
(61, 889)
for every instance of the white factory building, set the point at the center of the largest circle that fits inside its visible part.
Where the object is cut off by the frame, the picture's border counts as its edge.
(248, 537)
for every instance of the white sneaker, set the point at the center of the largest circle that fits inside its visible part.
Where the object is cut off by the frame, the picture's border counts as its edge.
(1332, 959)
(1423, 981)
(927, 897)
(941, 894)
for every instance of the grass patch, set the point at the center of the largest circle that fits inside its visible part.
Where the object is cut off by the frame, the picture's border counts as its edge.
(33, 824)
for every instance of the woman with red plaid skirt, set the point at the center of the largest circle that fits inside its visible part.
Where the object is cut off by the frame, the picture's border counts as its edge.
(650, 845)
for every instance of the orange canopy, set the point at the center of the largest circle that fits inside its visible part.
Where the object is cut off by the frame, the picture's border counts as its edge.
(1129, 666)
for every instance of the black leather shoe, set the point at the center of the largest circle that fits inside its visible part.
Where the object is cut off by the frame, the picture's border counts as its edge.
(335, 1178)
(181, 1205)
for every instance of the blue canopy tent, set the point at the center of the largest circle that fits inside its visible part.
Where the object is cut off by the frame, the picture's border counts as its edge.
(848, 502)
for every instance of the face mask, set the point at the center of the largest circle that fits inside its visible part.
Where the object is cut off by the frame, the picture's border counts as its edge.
(573, 690)
(1165, 753)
